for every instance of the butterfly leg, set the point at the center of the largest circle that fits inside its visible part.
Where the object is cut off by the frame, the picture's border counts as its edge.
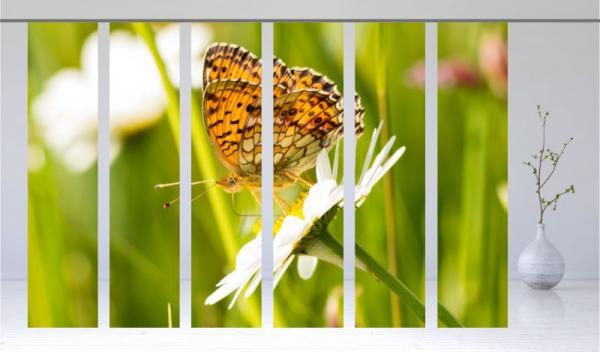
(306, 183)
(236, 211)
(281, 203)
(256, 194)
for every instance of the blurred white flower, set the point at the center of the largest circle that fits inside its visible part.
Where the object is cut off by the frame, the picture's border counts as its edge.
(137, 97)
(66, 110)
(167, 41)
(325, 194)
(502, 192)
(66, 113)
(36, 159)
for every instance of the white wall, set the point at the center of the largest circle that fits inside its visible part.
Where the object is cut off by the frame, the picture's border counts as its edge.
(13, 149)
(556, 66)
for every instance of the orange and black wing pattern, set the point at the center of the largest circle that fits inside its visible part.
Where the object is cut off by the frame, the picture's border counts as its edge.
(307, 111)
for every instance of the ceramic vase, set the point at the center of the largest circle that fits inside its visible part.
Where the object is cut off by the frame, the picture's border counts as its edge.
(541, 264)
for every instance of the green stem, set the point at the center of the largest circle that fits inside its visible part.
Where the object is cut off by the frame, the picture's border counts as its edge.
(446, 317)
(406, 295)
(382, 107)
(327, 248)
(145, 31)
(202, 150)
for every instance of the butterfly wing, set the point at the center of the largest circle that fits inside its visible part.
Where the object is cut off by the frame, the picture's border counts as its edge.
(308, 78)
(227, 106)
(307, 111)
(224, 61)
(308, 120)
(232, 103)
(232, 116)
(305, 122)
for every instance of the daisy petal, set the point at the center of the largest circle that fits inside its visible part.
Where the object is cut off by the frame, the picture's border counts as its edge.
(388, 164)
(253, 285)
(336, 161)
(370, 151)
(323, 167)
(279, 273)
(231, 283)
(249, 255)
(291, 228)
(239, 291)
(319, 199)
(306, 266)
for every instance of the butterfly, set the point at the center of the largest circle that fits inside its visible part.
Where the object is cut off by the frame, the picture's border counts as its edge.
(307, 117)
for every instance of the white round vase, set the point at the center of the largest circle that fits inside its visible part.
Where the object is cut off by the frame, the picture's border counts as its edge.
(541, 264)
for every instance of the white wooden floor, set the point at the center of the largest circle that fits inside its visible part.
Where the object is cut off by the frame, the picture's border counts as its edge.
(565, 319)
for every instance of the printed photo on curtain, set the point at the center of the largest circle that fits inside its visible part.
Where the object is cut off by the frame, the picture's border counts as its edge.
(62, 185)
(472, 172)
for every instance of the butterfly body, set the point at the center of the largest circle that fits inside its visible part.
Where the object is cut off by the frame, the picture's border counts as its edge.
(233, 183)
(307, 117)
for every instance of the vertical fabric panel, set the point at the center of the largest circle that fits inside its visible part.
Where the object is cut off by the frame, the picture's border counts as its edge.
(62, 211)
(390, 225)
(472, 172)
(144, 137)
(225, 219)
(306, 296)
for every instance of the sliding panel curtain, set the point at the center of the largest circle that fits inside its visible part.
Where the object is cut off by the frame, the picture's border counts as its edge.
(226, 156)
(62, 192)
(225, 227)
(390, 225)
(144, 141)
(310, 291)
(472, 172)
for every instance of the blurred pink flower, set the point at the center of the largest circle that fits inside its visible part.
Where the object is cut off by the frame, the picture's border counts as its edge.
(415, 76)
(332, 307)
(493, 62)
(455, 73)
(451, 73)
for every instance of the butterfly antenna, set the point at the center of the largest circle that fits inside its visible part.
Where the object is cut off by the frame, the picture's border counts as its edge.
(169, 204)
(173, 184)
(203, 192)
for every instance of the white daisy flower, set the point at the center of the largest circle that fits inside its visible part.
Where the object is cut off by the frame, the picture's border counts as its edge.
(291, 238)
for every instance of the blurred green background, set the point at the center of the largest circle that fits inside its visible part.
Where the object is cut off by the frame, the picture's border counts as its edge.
(62, 206)
(390, 225)
(144, 237)
(472, 172)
